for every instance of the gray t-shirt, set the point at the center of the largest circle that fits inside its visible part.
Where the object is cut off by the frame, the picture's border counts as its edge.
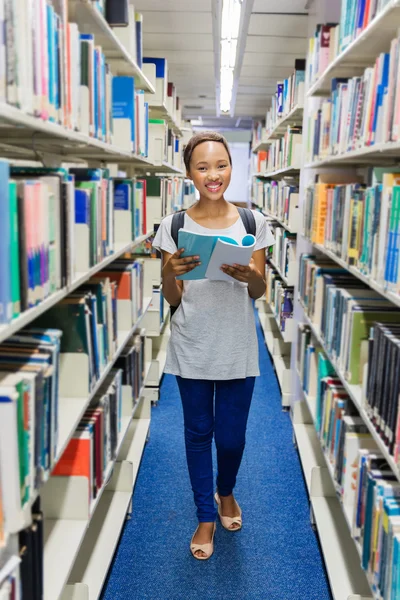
(213, 332)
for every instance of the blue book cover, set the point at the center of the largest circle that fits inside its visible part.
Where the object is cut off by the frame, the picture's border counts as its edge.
(161, 65)
(146, 128)
(57, 25)
(279, 95)
(380, 90)
(96, 67)
(202, 245)
(92, 301)
(51, 57)
(122, 196)
(139, 40)
(123, 101)
(103, 95)
(5, 245)
(82, 206)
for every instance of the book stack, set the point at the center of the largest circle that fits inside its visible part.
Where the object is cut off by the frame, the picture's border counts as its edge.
(278, 296)
(359, 224)
(286, 151)
(258, 133)
(289, 94)
(283, 251)
(342, 309)
(93, 447)
(281, 200)
(29, 392)
(362, 111)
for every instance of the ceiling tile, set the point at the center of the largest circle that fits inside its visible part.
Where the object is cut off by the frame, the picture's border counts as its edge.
(266, 71)
(261, 59)
(178, 41)
(178, 22)
(284, 6)
(172, 5)
(279, 25)
(275, 43)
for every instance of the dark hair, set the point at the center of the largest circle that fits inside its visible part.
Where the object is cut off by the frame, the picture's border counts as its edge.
(199, 138)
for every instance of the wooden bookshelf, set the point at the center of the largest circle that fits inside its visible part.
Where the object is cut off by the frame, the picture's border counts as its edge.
(90, 20)
(375, 39)
(32, 313)
(294, 117)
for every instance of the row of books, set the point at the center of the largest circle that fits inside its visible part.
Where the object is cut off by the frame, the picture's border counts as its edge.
(343, 310)
(330, 39)
(283, 253)
(165, 92)
(278, 296)
(365, 484)
(22, 561)
(361, 111)
(285, 151)
(38, 364)
(279, 199)
(56, 224)
(288, 95)
(359, 224)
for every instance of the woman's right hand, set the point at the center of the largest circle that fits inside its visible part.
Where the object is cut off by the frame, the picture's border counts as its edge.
(177, 265)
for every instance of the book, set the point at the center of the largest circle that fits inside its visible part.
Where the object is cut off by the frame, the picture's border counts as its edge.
(214, 251)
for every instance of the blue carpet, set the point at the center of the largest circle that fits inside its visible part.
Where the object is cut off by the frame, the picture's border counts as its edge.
(275, 557)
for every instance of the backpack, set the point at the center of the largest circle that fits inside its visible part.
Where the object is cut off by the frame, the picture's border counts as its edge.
(178, 220)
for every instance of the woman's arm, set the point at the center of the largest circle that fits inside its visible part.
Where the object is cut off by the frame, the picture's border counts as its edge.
(253, 274)
(174, 265)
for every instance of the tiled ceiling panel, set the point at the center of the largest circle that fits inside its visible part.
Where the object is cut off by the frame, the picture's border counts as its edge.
(181, 31)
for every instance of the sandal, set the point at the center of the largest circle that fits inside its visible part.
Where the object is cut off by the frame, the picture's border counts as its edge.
(208, 549)
(227, 522)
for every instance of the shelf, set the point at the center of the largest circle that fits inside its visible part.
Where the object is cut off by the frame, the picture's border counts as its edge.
(392, 297)
(90, 20)
(281, 275)
(160, 111)
(362, 51)
(342, 561)
(378, 154)
(356, 395)
(71, 410)
(57, 561)
(163, 168)
(282, 223)
(294, 117)
(31, 314)
(25, 136)
(279, 173)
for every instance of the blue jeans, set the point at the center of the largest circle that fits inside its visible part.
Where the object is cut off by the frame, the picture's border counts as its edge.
(232, 405)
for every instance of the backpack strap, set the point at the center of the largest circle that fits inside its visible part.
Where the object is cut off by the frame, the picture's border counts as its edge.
(248, 219)
(178, 221)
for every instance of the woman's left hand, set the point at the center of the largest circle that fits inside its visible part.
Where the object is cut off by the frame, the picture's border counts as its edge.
(241, 273)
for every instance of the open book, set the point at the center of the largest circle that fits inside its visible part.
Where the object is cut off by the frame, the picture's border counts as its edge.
(214, 251)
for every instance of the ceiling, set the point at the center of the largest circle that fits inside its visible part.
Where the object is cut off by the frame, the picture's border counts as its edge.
(182, 31)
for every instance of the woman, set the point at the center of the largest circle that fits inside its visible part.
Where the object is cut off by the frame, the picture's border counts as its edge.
(213, 345)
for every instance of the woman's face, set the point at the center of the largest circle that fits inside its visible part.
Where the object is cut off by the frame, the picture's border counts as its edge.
(210, 170)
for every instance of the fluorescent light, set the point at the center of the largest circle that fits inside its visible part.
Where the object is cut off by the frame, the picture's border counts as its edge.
(231, 13)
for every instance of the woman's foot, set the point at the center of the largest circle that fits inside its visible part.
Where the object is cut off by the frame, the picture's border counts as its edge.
(230, 508)
(203, 535)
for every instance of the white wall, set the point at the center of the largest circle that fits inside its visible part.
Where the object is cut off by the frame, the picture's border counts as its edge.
(238, 190)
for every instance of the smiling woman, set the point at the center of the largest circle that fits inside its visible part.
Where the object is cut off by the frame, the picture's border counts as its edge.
(213, 345)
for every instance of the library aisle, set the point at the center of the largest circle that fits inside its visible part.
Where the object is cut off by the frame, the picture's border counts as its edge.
(276, 556)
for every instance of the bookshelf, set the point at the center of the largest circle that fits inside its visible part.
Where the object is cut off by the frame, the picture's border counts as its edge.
(331, 510)
(280, 173)
(294, 117)
(82, 516)
(361, 51)
(90, 20)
